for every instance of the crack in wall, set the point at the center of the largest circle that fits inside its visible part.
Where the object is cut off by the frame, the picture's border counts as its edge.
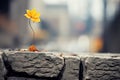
(60, 75)
(81, 69)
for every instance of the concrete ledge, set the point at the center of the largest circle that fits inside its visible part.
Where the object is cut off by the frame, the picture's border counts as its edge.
(23, 65)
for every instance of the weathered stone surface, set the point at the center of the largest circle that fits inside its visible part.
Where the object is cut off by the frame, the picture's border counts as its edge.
(2, 68)
(102, 67)
(50, 66)
(36, 64)
(71, 69)
(22, 78)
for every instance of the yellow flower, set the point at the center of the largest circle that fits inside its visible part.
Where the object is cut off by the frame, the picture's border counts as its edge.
(33, 15)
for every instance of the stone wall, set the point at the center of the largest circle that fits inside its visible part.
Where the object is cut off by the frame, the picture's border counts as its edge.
(23, 65)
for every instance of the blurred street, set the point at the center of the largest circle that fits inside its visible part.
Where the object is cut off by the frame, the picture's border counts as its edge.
(66, 25)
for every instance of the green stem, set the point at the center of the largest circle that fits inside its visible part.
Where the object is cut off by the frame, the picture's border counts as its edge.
(32, 31)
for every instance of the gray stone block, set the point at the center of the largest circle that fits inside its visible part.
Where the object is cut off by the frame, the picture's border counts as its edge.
(36, 64)
(102, 67)
(2, 68)
(22, 78)
(71, 69)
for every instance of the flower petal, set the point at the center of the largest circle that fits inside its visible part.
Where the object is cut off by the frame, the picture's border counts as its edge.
(37, 15)
(33, 15)
(33, 12)
(35, 20)
(29, 12)
(27, 16)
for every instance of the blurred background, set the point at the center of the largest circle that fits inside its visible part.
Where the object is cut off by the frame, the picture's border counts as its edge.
(66, 25)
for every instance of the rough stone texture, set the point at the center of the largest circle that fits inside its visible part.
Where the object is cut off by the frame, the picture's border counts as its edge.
(36, 64)
(55, 66)
(102, 67)
(71, 69)
(2, 68)
(22, 78)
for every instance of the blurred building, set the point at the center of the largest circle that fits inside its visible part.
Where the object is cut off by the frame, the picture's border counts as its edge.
(65, 23)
